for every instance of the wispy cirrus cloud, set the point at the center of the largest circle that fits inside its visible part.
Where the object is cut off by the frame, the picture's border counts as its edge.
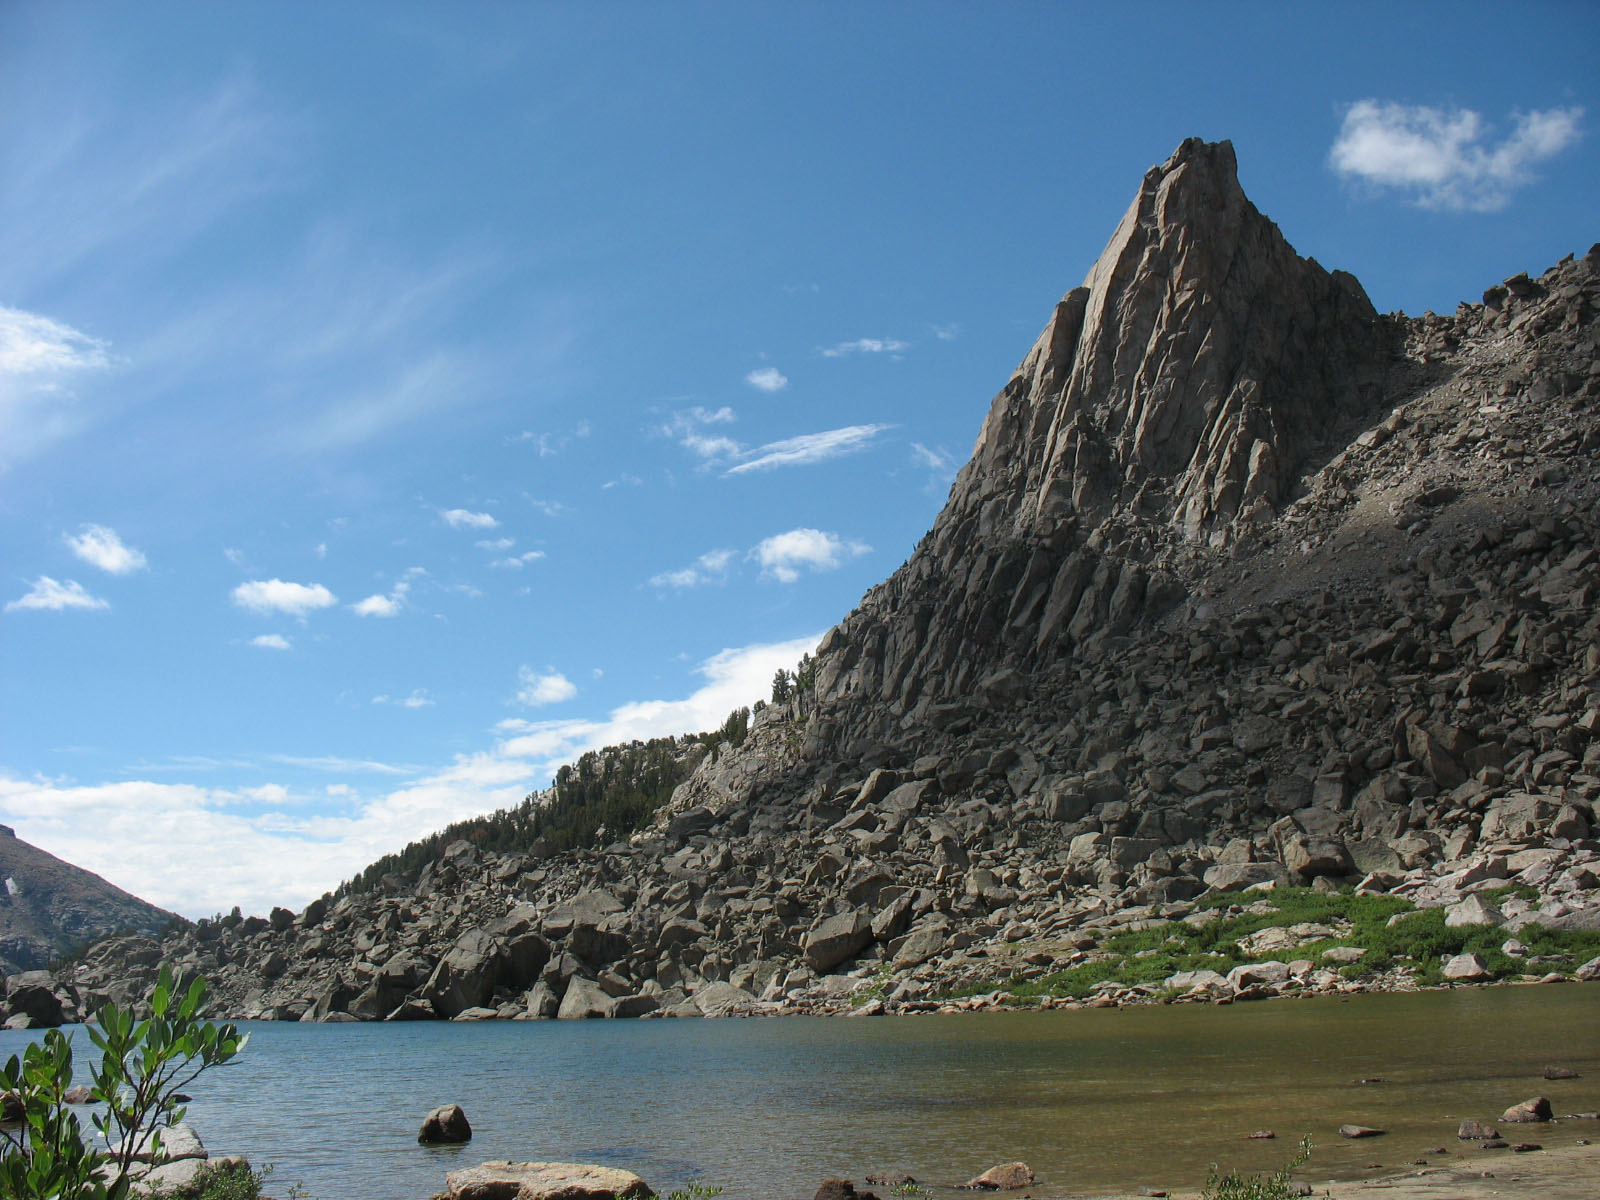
(52, 595)
(808, 448)
(267, 596)
(1448, 158)
(515, 562)
(40, 361)
(784, 555)
(418, 698)
(102, 547)
(865, 346)
(711, 567)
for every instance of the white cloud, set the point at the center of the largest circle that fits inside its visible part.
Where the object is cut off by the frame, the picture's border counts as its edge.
(497, 545)
(330, 762)
(271, 641)
(200, 850)
(767, 379)
(377, 606)
(274, 595)
(519, 561)
(38, 359)
(536, 689)
(101, 547)
(550, 508)
(50, 595)
(417, 699)
(733, 677)
(866, 346)
(461, 518)
(549, 444)
(711, 447)
(783, 555)
(711, 567)
(947, 332)
(808, 448)
(1448, 158)
(320, 549)
(233, 555)
(937, 461)
(191, 849)
(387, 606)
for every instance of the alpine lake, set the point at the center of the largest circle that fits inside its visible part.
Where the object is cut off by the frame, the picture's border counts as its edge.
(1096, 1100)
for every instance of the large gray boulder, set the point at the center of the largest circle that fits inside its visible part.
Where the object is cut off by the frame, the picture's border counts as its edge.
(466, 976)
(838, 939)
(585, 999)
(545, 1181)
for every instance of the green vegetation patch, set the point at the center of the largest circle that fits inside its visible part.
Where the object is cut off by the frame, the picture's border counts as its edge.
(1418, 941)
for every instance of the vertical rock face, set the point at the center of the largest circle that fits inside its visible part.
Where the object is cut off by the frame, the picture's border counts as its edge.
(1180, 392)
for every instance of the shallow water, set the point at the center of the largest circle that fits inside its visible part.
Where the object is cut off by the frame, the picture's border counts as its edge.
(1092, 1100)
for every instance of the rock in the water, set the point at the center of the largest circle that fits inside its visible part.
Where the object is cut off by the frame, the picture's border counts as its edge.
(1002, 1178)
(1560, 1073)
(1476, 1131)
(545, 1181)
(841, 1189)
(1529, 1111)
(82, 1095)
(1360, 1131)
(444, 1125)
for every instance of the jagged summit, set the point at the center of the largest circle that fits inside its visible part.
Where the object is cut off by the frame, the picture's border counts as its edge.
(1175, 396)
(1192, 370)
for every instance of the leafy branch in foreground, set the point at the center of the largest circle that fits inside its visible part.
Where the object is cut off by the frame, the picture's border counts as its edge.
(143, 1068)
(1276, 1186)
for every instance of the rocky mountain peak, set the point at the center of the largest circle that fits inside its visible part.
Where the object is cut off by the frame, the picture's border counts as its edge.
(1170, 405)
(1190, 375)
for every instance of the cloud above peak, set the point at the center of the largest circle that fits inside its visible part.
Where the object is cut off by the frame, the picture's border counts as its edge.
(808, 448)
(1448, 158)
(101, 547)
(784, 555)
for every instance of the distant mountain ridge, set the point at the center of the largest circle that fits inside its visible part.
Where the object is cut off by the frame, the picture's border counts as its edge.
(50, 908)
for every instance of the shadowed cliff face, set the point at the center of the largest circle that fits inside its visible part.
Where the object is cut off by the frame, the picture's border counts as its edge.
(1176, 396)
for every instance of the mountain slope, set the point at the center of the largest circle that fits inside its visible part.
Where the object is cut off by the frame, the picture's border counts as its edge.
(50, 908)
(1244, 583)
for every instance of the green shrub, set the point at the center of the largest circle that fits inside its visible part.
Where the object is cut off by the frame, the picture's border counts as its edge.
(1276, 1186)
(144, 1067)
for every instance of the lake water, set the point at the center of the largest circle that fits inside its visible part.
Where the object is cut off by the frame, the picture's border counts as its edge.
(1092, 1100)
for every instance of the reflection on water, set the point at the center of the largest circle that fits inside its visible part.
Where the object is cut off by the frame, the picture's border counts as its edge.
(1092, 1100)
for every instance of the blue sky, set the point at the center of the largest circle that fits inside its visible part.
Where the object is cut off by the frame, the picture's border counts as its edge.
(397, 400)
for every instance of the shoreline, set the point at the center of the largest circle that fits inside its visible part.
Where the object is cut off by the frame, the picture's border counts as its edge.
(1561, 1173)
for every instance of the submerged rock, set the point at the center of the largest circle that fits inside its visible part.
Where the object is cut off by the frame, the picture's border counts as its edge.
(444, 1125)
